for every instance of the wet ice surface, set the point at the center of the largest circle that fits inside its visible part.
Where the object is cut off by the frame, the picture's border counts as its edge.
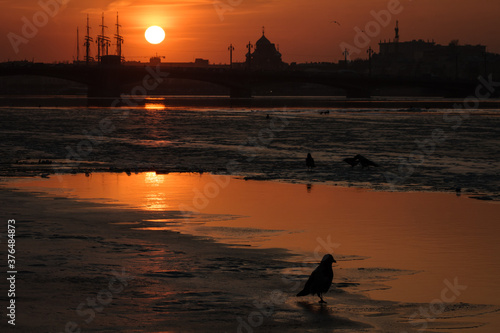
(172, 284)
(419, 150)
(181, 283)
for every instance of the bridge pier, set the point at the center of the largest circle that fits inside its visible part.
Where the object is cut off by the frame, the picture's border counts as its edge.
(104, 88)
(106, 81)
(240, 92)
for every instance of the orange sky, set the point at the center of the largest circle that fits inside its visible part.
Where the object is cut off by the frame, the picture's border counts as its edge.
(196, 29)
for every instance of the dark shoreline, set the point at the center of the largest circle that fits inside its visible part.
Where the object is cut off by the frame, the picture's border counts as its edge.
(417, 104)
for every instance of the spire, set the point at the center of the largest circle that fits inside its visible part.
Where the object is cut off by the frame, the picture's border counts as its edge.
(249, 54)
(231, 49)
(396, 38)
(263, 30)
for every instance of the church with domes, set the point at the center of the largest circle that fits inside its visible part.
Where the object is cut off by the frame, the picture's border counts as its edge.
(265, 56)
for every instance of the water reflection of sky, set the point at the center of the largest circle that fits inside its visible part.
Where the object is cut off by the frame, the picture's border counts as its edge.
(443, 235)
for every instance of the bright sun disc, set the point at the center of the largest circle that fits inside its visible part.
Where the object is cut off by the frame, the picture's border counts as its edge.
(155, 34)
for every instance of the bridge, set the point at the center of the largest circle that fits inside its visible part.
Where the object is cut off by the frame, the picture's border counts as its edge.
(111, 80)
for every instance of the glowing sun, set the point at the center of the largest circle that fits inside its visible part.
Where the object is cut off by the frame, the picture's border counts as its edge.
(154, 34)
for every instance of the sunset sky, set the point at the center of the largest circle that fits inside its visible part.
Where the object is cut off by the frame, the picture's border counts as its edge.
(204, 28)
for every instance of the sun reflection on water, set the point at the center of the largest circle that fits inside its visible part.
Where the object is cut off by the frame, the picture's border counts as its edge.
(154, 106)
(155, 198)
(153, 179)
(155, 201)
(431, 232)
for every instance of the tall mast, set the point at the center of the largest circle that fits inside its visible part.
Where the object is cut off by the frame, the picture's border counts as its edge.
(77, 46)
(119, 38)
(102, 42)
(396, 30)
(88, 40)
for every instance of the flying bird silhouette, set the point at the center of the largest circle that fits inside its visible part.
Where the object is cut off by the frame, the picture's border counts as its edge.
(335, 22)
(321, 279)
(310, 162)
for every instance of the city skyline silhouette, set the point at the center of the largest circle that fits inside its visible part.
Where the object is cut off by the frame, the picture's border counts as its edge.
(306, 32)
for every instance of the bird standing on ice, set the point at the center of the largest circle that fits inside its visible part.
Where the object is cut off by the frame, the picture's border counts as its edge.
(310, 162)
(321, 279)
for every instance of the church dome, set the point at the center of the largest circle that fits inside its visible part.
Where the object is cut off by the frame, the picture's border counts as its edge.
(263, 41)
(265, 56)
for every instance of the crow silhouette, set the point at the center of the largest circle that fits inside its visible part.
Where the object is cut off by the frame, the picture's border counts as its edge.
(321, 279)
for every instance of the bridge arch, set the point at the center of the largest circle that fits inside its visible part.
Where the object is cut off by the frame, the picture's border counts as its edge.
(40, 84)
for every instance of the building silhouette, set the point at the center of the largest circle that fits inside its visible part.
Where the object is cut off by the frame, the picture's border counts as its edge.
(426, 58)
(265, 56)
